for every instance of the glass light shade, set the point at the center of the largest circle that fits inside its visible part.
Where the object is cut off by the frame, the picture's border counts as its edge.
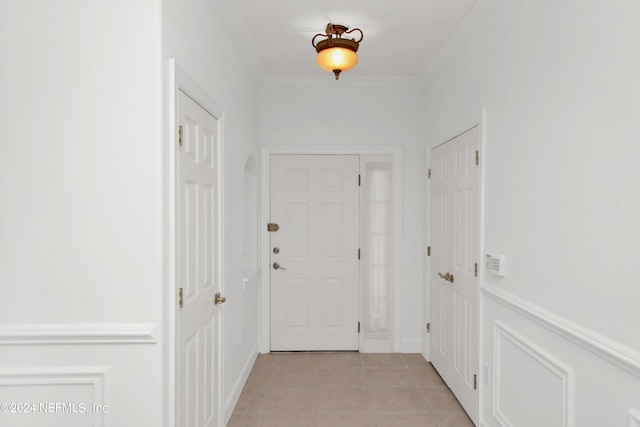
(337, 58)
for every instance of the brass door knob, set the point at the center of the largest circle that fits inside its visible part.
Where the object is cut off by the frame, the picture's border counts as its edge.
(218, 299)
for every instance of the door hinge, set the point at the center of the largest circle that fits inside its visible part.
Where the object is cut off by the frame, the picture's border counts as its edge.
(475, 382)
(428, 250)
(358, 327)
(358, 253)
(180, 299)
(428, 327)
(475, 270)
(359, 180)
(271, 227)
(477, 158)
(429, 174)
(180, 135)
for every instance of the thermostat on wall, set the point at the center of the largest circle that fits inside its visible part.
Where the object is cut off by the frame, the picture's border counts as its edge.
(495, 264)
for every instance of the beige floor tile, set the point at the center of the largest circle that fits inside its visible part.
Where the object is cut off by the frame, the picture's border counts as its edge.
(406, 419)
(453, 419)
(382, 360)
(295, 360)
(339, 360)
(302, 418)
(426, 376)
(296, 377)
(389, 377)
(291, 400)
(244, 420)
(265, 361)
(347, 419)
(414, 359)
(259, 378)
(251, 401)
(345, 399)
(342, 377)
(335, 389)
(398, 399)
(441, 400)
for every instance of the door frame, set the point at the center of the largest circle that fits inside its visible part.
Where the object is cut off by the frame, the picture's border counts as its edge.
(265, 188)
(176, 79)
(464, 122)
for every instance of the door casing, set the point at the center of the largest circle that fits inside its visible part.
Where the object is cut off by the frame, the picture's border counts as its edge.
(265, 289)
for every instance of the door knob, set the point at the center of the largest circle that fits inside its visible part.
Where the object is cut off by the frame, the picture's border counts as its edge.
(218, 299)
(276, 266)
(448, 277)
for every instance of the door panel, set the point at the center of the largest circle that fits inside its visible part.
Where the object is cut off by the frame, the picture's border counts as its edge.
(314, 297)
(455, 238)
(197, 225)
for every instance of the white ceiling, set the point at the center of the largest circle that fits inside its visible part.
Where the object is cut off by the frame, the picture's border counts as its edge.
(400, 36)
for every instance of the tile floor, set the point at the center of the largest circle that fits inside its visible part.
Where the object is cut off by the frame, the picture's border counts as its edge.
(346, 389)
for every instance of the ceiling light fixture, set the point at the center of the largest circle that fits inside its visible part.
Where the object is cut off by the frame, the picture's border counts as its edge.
(336, 54)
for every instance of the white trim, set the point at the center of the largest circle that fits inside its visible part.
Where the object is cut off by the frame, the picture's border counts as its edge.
(597, 344)
(265, 173)
(169, 248)
(324, 81)
(411, 346)
(78, 333)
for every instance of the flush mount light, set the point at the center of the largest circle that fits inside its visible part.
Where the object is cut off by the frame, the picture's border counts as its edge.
(337, 54)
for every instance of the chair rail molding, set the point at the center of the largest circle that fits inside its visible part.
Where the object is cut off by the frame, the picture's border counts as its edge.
(604, 347)
(78, 333)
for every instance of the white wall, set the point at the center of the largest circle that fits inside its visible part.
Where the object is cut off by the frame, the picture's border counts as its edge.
(560, 84)
(83, 181)
(197, 34)
(352, 111)
(80, 216)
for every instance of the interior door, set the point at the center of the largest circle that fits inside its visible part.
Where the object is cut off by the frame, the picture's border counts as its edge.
(198, 316)
(314, 252)
(455, 185)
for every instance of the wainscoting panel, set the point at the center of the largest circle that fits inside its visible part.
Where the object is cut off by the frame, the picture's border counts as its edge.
(539, 369)
(520, 364)
(72, 396)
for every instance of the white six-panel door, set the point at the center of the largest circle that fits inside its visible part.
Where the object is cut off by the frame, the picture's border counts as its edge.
(455, 187)
(314, 293)
(198, 282)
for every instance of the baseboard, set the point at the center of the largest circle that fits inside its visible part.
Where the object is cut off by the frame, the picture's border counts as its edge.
(231, 400)
(412, 346)
(78, 333)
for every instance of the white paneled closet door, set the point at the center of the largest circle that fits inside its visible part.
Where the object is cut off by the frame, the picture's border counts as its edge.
(199, 313)
(455, 213)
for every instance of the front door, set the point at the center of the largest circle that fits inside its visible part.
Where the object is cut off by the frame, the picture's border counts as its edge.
(314, 252)
(455, 185)
(198, 316)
